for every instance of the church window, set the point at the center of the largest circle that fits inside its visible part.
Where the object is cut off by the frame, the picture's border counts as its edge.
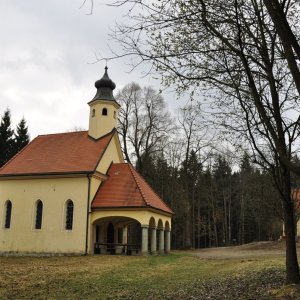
(104, 111)
(39, 214)
(69, 215)
(115, 114)
(8, 208)
(93, 113)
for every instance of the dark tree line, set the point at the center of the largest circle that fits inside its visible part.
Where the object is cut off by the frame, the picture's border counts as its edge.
(11, 141)
(215, 206)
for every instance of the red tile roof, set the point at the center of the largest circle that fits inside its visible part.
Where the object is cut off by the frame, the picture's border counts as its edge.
(58, 153)
(125, 187)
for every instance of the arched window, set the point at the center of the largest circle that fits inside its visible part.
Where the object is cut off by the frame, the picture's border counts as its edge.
(104, 111)
(115, 114)
(69, 214)
(8, 208)
(39, 214)
(93, 113)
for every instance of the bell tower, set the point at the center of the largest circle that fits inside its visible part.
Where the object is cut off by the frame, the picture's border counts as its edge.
(103, 108)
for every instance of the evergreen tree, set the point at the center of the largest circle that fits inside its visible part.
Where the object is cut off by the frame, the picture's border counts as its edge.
(6, 138)
(21, 137)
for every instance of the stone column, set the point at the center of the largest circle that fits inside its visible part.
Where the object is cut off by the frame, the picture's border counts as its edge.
(153, 241)
(145, 239)
(124, 238)
(168, 241)
(161, 241)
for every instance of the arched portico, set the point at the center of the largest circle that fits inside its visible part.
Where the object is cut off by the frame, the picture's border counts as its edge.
(116, 235)
(128, 232)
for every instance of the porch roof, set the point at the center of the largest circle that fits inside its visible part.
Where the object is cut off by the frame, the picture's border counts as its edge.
(125, 187)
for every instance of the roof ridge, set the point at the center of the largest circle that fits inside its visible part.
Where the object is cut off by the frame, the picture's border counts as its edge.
(138, 184)
(150, 189)
(56, 133)
(18, 153)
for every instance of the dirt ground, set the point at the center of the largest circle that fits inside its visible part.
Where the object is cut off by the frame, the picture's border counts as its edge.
(257, 249)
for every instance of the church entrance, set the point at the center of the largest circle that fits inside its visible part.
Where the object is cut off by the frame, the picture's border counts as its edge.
(117, 235)
(110, 233)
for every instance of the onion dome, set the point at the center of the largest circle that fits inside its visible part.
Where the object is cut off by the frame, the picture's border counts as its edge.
(105, 87)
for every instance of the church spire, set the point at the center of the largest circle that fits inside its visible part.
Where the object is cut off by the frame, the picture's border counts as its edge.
(103, 108)
(105, 87)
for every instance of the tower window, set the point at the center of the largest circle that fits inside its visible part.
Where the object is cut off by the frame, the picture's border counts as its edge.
(115, 114)
(104, 111)
(69, 214)
(8, 208)
(93, 113)
(39, 214)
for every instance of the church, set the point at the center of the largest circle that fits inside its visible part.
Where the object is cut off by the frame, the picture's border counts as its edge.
(72, 193)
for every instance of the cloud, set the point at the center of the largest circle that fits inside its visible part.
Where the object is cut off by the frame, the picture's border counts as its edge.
(46, 52)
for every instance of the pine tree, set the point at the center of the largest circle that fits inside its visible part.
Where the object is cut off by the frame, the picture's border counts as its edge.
(6, 138)
(21, 137)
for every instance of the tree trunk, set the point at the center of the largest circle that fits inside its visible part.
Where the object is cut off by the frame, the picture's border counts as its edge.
(292, 267)
(199, 224)
(229, 216)
(193, 219)
(214, 221)
(242, 217)
(225, 218)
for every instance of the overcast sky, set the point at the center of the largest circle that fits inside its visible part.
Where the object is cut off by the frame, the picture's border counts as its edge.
(47, 52)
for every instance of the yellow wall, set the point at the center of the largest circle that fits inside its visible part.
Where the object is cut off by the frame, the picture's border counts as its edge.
(143, 216)
(100, 125)
(112, 154)
(22, 237)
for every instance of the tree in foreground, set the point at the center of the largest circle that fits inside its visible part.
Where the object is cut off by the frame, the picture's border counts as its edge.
(236, 52)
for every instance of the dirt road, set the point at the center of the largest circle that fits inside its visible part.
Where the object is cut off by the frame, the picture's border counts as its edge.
(259, 249)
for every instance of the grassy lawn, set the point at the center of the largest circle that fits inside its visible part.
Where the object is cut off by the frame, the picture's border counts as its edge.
(179, 275)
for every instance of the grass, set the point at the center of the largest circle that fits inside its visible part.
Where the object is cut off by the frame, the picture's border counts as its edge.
(179, 275)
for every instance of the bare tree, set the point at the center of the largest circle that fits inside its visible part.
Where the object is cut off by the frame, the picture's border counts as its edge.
(145, 125)
(238, 49)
